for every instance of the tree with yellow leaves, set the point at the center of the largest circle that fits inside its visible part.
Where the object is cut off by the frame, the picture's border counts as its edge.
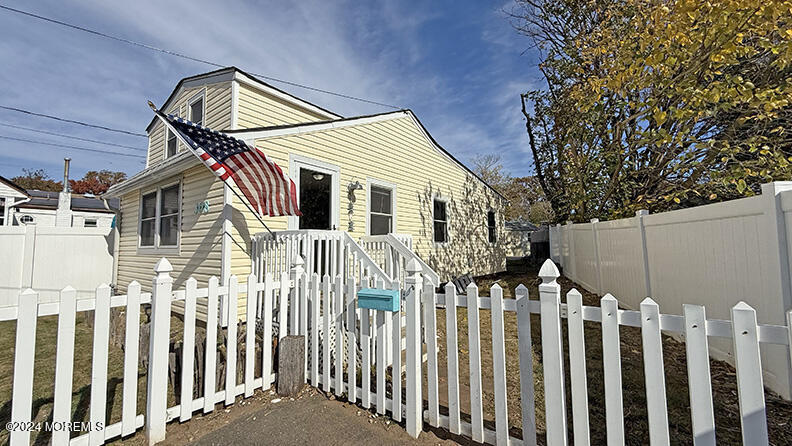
(657, 104)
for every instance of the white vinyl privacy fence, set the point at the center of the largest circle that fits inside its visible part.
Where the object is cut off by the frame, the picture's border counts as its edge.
(325, 311)
(48, 258)
(715, 255)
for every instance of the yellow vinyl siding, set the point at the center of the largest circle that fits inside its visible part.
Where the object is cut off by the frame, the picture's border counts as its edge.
(258, 109)
(394, 151)
(200, 235)
(217, 116)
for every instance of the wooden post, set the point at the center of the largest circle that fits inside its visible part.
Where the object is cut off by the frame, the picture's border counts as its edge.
(414, 283)
(552, 354)
(157, 387)
(291, 365)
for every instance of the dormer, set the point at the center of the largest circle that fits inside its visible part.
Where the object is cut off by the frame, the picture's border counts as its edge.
(227, 99)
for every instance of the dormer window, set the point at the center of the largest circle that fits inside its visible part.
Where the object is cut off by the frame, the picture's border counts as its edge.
(196, 107)
(171, 145)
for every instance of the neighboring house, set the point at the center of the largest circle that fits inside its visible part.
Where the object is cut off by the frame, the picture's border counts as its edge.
(10, 193)
(177, 208)
(42, 208)
(19, 206)
(519, 237)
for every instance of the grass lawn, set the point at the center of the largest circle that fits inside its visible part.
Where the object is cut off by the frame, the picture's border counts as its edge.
(44, 375)
(727, 420)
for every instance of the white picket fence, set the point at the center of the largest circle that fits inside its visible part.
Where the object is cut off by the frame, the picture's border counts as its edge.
(325, 311)
(742, 330)
(715, 255)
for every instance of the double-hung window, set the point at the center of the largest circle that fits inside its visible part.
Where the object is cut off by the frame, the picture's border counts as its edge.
(380, 210)
(491, 227)
(171, 146)
(440, 217)
(196, 108)
(160, 217)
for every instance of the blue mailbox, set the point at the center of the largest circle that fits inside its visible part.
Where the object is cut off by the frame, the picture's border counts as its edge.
(376, 299)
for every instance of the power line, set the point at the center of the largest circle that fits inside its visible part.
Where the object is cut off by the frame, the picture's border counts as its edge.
(44, 143)
(194, 59)
(42, 115)
(5, 124)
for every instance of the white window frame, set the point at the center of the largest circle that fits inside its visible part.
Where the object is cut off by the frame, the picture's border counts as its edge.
(495, 226)
(93, 220)
(298, 161)
(199, 96)
(176, 112)
(383, 185)
(447, 220)
(156, 248)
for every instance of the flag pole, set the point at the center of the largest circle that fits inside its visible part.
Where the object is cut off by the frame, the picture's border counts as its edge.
(241, 198)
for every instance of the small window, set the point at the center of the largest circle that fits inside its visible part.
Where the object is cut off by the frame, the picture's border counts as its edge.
(440, 221)
(148, 219)
(90, 223)
(170, 144)
(169, 216)
(159, 218)
(197, 111)
(2, 211)
(380, 210)
(26, 219)
(491, 228)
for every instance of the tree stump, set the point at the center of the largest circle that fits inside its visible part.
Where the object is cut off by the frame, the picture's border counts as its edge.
(291, 365)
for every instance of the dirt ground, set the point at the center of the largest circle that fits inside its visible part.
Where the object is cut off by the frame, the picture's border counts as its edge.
(724, 387)
(310, 418)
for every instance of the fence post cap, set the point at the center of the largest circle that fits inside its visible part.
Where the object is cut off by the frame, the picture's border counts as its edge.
(594, 220)
(413, 266)
(549, 272)
(298, 262)
(521, 288)
(163, 266)
(641, 212)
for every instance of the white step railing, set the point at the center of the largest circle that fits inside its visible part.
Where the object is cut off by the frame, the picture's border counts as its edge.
(392, 252)
(324, 252)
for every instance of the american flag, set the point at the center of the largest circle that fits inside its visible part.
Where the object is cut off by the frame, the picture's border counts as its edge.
(262, 182)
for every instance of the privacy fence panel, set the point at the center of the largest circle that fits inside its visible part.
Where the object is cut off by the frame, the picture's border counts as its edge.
(714, 255)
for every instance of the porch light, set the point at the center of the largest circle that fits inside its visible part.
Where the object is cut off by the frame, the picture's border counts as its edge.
(318, 176)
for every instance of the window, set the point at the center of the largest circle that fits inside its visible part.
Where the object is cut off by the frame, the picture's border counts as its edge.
(169, 216)
(148, 219)
(26, 219)
(197, 110)
(170, 144)
(160, 215)
(440, 217)
(380, 210)
(491, 228)
(2, 211)
(90, 223)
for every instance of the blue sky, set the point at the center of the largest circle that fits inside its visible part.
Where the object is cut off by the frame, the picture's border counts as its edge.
(458, 64)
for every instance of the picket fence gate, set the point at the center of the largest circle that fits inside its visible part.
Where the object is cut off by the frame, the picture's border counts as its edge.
(324, 309)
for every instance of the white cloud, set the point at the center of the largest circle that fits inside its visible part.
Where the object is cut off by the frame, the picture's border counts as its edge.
(375, 51)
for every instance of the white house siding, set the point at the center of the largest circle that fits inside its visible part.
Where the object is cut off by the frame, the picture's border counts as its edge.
(217, 110)
(394, 151)
(200, 237)
(259, 109)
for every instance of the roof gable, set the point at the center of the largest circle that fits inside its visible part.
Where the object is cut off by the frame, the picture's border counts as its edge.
(233, 73)
(9, 188)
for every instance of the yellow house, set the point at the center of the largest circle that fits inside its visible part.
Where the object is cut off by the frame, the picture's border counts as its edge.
(366, 175)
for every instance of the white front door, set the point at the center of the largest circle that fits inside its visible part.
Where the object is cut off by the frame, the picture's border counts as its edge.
(317, 193)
